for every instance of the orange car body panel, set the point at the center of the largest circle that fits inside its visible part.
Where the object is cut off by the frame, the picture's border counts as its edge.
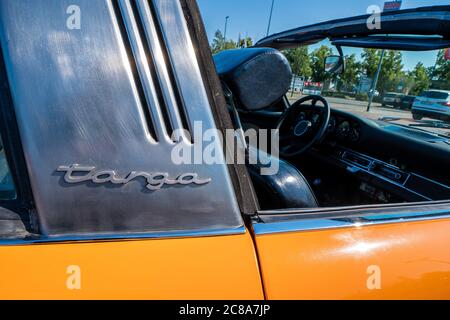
(222, 267)
(410, 260)
(413, 259)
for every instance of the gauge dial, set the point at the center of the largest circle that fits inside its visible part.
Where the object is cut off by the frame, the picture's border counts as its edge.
(343, 130)
(354, 135)
(331, 125)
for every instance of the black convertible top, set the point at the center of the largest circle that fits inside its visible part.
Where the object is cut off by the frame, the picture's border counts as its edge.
(425, 21)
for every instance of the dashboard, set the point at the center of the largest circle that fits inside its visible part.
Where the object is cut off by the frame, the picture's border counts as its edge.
(408, 162)
(408, 185)
(415, 169)
(409, 149)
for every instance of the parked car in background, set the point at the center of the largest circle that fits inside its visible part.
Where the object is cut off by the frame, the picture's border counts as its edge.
(433, 104)
(392, 99)
(313, 88)
(407, 102)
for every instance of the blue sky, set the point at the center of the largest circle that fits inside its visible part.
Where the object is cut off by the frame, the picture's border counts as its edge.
(250, 17)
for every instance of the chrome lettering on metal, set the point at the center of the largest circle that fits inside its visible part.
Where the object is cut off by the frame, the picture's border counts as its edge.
(155, 181)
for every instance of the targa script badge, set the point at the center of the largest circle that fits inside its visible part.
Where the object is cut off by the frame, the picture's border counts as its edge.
(155, 181)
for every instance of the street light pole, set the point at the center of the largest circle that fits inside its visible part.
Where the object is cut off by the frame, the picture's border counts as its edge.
(377, 75)
(225, 31)
(270, 17)
(375, 81)
(433, 77)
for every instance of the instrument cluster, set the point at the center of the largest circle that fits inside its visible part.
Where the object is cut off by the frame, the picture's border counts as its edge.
(344, 130)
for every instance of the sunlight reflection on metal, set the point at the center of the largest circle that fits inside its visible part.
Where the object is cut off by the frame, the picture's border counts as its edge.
(365, 247)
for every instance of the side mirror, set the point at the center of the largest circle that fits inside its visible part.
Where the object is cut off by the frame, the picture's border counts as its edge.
(334, 64)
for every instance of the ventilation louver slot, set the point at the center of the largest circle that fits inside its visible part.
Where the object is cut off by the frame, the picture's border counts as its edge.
(164, 110)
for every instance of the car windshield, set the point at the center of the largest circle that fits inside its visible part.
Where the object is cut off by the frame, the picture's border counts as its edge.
(434, 95)
(407, 89)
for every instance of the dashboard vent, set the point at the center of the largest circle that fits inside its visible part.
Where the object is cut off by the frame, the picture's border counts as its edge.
(390, 173)
(356, 159)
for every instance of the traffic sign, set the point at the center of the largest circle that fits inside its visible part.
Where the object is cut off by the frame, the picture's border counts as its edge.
(392, 5)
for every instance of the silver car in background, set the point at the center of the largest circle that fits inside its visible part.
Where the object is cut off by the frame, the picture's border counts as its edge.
(392, 99)
(433, 104)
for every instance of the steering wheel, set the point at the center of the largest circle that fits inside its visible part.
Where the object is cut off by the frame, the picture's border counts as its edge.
(303, 125)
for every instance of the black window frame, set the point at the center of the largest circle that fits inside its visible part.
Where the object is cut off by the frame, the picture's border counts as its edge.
(12, 145)
(242, 184)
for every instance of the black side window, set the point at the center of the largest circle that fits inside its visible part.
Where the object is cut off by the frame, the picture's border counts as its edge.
(7, 187)
(14, 224)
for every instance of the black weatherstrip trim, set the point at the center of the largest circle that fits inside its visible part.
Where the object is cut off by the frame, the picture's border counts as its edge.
(241, 180)
(12, 144)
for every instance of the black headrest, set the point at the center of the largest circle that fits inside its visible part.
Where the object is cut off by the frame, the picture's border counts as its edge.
(258, 77)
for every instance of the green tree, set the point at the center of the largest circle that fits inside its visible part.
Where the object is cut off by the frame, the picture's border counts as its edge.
(441, 72)
(318, 63)
(391, 74)
(220, 43)
(349, 79)
(371, 58)
(421, 79)
(246, 42)
(299, 61)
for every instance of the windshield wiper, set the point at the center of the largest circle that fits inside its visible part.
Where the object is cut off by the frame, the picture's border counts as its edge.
(422, 124)
(435, 125)
(389, 119)
(438, 125)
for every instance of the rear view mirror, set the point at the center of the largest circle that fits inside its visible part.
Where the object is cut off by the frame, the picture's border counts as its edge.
(334, 64)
